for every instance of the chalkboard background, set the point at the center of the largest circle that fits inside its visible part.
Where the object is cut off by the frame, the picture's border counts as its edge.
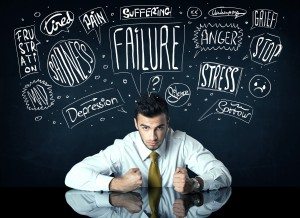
(41, 140)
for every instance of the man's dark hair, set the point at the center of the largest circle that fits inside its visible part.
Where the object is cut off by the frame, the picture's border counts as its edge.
(151, 105)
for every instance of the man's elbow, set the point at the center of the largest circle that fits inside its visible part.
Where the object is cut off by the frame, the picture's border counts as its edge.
(69, 180)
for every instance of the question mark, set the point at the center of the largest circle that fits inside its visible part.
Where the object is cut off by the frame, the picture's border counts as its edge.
(154, 83)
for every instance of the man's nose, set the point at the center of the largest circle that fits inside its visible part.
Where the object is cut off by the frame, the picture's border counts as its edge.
(153, 135)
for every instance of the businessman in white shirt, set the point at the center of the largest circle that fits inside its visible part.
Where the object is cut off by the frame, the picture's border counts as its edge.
(152, 156)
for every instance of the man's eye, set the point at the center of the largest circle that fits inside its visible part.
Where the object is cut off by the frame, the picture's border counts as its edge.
(145, 127)
(161, 128)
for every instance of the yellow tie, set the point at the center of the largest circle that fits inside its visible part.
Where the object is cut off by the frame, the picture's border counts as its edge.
(154, 179)
(154, 198)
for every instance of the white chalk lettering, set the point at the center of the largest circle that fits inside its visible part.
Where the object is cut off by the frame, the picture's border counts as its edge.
(85, 111)
(147, 47)
(70, 62)
(235, 110)
(219, 77)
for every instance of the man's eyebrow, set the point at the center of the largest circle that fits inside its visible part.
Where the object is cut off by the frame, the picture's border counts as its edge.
(161, 125)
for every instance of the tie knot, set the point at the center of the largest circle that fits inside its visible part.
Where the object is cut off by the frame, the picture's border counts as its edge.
(153, 156)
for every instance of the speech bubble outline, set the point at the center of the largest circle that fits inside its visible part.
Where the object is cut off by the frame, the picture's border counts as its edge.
(136, 71)
(194, 13)
(236, 77)
(98, 103)
(143, 8)
(266, 10)
(232, 12)
(175, 96)
(63, 25)
(214, 110)
(20, 62)
(267, 37)
(152, 84)
(97, 20)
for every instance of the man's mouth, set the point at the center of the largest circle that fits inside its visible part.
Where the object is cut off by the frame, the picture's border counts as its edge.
(152, 143)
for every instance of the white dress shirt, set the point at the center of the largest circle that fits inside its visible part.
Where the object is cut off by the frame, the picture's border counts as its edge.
(177, 150)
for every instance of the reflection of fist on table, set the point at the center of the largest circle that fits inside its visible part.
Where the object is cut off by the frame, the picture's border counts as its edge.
(182, 205)
(131, 201)
(130, 181)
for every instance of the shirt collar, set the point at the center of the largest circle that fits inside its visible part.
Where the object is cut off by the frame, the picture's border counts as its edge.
(145, 152)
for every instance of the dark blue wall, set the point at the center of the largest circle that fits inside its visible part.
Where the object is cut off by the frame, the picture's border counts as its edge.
(38, 147)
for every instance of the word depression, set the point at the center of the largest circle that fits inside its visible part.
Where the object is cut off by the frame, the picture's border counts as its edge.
(91, 105)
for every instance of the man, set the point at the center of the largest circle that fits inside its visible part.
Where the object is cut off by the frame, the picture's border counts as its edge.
(153, 156)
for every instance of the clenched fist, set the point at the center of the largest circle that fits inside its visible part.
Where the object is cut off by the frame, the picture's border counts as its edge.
(182, 182)
(130, 181)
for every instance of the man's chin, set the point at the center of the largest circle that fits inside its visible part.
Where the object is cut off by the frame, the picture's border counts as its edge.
(153, 147)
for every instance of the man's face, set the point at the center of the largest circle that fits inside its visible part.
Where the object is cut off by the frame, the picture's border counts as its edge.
(152, 129)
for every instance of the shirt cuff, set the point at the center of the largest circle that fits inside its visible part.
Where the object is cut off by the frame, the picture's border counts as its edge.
(103, 182)
(102, 199)
(208, 180)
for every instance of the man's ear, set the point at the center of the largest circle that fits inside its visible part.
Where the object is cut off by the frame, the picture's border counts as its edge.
(168, 121)
(136, 124)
